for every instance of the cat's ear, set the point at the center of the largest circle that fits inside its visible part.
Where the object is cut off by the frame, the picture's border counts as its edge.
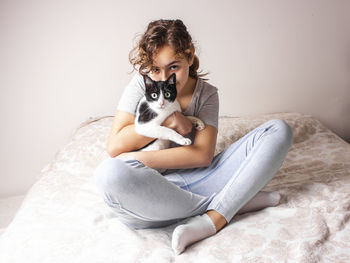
(172, 79)
(148, 81)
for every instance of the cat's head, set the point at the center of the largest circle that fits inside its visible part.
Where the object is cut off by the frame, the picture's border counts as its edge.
(160, 93)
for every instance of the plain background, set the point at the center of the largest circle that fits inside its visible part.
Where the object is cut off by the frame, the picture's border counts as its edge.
(62, 62)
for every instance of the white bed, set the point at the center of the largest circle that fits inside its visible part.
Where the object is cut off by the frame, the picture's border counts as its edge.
(64, 219)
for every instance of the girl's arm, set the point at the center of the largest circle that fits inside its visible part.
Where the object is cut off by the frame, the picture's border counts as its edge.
(199, 154)
(123, 138)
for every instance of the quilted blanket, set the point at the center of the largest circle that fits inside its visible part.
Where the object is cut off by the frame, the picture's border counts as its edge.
(64, 219)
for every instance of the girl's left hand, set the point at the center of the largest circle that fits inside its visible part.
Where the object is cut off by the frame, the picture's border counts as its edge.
(178, 122)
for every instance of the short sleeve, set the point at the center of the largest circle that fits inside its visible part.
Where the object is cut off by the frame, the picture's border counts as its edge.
(209, 111)
(132, 94)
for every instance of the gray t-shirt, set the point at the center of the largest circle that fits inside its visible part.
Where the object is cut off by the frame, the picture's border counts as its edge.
(204, 103)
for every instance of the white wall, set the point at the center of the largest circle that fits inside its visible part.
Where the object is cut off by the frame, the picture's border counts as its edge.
(64, 61)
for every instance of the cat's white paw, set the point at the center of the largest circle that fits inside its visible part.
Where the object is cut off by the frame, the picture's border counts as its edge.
(185, 141)
(199, 125)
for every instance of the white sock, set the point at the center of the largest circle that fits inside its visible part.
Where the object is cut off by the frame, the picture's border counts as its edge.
(197, 228)
(200, 227)
(261, 200)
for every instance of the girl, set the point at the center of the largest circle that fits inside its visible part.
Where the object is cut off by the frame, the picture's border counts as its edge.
(209, 190)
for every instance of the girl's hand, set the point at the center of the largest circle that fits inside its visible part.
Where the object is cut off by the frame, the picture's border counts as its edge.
(178, 122)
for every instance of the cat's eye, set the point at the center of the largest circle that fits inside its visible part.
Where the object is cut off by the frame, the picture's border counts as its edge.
(167, 95)
(154, 95)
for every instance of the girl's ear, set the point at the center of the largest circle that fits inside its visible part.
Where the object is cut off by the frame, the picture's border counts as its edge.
(148, 81)
(172, 79)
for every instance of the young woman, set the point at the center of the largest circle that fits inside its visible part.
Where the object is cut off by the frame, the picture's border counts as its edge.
(209, 190)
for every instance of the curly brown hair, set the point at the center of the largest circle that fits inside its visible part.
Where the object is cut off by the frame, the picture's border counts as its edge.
(158, 34)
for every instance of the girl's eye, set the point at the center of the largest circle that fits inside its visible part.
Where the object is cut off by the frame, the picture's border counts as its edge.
(154, 95)
(155, 70)
(167, 95)
(174, 67)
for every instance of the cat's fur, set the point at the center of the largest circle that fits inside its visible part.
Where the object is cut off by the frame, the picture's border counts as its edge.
(158, 103)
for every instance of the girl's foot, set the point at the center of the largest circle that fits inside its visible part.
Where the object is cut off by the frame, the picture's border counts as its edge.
(260, 201)
(197, 228)
(203, 226)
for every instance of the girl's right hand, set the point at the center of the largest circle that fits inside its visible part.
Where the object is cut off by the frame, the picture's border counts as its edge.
(178, 122)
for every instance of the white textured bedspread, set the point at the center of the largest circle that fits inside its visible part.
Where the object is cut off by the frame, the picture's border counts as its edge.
(64, 219)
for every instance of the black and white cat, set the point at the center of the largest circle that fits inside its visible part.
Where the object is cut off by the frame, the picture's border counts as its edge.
(157, 104)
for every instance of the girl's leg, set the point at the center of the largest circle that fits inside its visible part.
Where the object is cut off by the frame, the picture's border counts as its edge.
(236, 175)
(142, 197)
(260, 155)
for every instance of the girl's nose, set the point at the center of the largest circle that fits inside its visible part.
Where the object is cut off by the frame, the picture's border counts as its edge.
(164, 76)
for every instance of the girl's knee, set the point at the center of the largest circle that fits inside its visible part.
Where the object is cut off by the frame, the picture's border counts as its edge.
(284, 130)
(111, 172)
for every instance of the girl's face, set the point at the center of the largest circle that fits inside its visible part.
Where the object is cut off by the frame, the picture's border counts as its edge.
(165, 63)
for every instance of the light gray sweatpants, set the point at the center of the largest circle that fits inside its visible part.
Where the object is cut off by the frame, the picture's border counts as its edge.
(144, 198)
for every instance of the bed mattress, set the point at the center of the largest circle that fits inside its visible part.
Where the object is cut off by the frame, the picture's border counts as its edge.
(64, 219)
